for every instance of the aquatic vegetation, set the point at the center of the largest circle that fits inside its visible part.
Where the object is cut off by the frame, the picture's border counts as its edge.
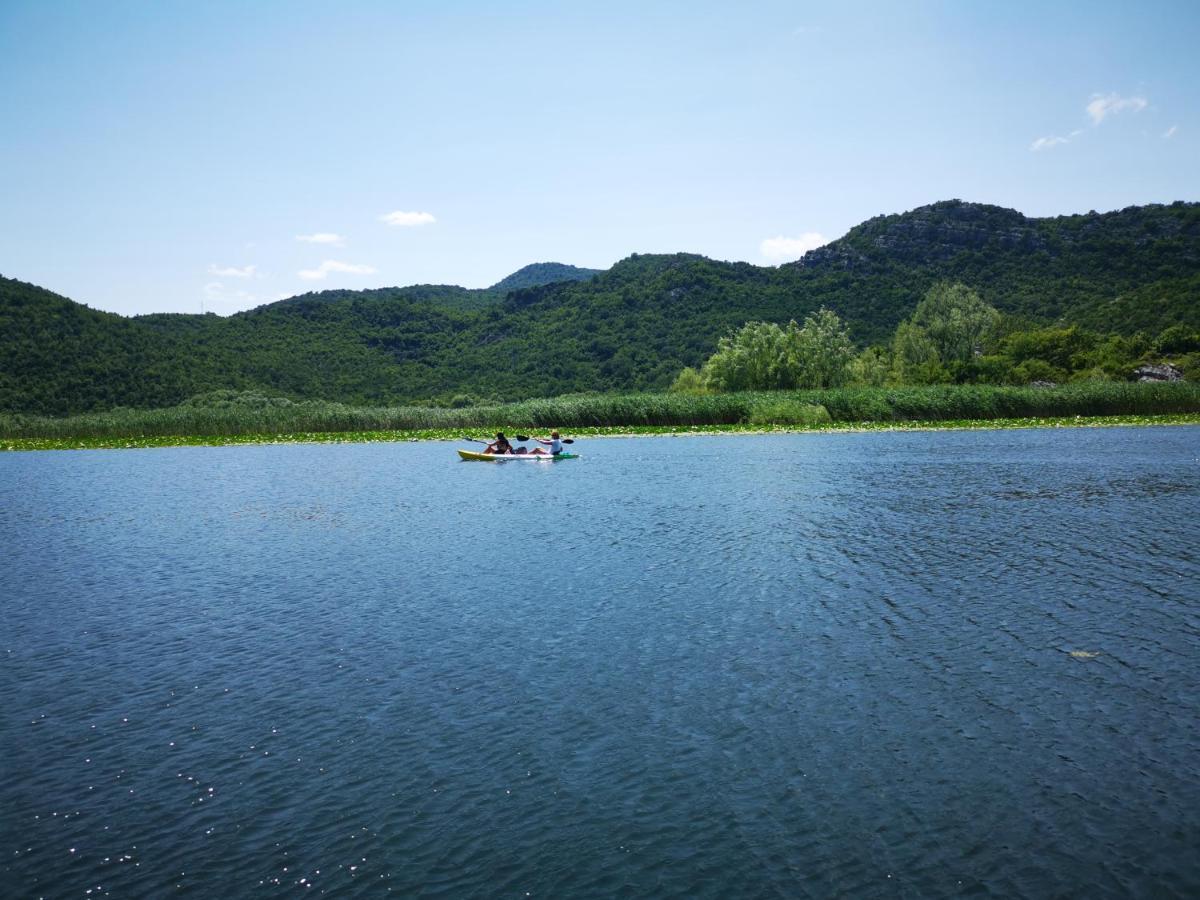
(455, 434)
(788, 412)
(233, 418)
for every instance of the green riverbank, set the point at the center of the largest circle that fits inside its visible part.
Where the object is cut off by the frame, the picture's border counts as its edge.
(227, 417)
(456, 435)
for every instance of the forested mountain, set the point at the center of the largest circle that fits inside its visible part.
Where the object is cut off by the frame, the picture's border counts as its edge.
(58, 356)
(633, 326)
(542, 273)
(1134, 269)
(450, 296)
(447, 295)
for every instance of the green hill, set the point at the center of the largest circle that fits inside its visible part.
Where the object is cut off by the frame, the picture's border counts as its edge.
(551, 329)
(542, 273)
(1074, 269)
(57, 356)
(450, 296)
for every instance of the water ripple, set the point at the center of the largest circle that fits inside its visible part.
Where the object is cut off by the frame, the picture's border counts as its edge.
(859, 665)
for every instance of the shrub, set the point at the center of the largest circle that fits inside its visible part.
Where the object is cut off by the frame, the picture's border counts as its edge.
(1190, 366)
(870, 368)
(785, 411)
(1058, 347)
(689, 381)
(1177, 339)
(1032, 370)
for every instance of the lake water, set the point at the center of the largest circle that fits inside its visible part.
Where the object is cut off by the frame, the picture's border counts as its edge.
(896, 665)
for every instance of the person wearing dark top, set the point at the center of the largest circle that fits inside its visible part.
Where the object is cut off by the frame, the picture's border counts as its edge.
(499, 446)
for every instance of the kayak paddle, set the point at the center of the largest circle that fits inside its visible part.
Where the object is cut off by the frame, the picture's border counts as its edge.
(519, 437)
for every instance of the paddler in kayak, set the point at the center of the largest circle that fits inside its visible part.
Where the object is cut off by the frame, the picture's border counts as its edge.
(554, 443)
(500, 446)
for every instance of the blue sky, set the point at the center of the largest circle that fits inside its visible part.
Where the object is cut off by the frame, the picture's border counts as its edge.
(161, 157)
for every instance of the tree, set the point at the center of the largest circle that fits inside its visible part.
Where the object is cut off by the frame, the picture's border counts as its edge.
(821, 351)
(956, 320)
(1060, 347)
(870, 368)
(1177, 339)
(943, 336)
(913, 351)
(753, 358)
(689, 381)
(761, 356)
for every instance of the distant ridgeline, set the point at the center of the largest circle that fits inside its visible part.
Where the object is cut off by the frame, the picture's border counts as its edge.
(552, 329)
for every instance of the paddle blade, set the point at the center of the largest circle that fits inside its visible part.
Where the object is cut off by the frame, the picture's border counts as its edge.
(525, 437)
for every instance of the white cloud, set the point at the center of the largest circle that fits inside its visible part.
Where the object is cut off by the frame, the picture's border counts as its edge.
(224, 299)
(228, 299)
(407, 219)
(1170, 132)
(332, 265)
(232, 271)
(322, 237)
(782, 249)
(1045, 143)
(1102, 106)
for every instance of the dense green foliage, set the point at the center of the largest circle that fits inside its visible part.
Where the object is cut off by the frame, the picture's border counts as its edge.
(946, 331)
(951, 337)
(228, 413)
(1126, 276)
(762, 356)
(537, 274)
(956, 321)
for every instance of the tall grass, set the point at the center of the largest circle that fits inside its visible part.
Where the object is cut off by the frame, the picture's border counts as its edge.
(250, 414)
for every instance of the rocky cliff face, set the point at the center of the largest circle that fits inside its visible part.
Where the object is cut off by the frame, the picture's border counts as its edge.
(941, 231)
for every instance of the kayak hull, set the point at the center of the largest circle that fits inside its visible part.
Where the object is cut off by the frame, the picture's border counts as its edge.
(513, 457)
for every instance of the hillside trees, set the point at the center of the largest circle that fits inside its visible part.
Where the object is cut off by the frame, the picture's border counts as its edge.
(942, 342)
(1121, 277)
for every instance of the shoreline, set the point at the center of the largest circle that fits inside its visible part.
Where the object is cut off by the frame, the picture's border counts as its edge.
(606, 431)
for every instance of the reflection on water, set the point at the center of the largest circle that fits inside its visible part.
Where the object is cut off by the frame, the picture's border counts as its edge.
(859, 665)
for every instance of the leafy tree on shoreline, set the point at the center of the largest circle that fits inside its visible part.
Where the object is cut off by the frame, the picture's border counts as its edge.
(821, 351)
(763, 356)
(755, 357)
(956, 320)
(870, 368)
(689, 381)
(943, 336)
(915, 359)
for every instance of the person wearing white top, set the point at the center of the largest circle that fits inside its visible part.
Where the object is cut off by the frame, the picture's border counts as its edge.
(555, 444)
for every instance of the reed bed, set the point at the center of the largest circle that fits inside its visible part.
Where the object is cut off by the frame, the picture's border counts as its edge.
(234, 415)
